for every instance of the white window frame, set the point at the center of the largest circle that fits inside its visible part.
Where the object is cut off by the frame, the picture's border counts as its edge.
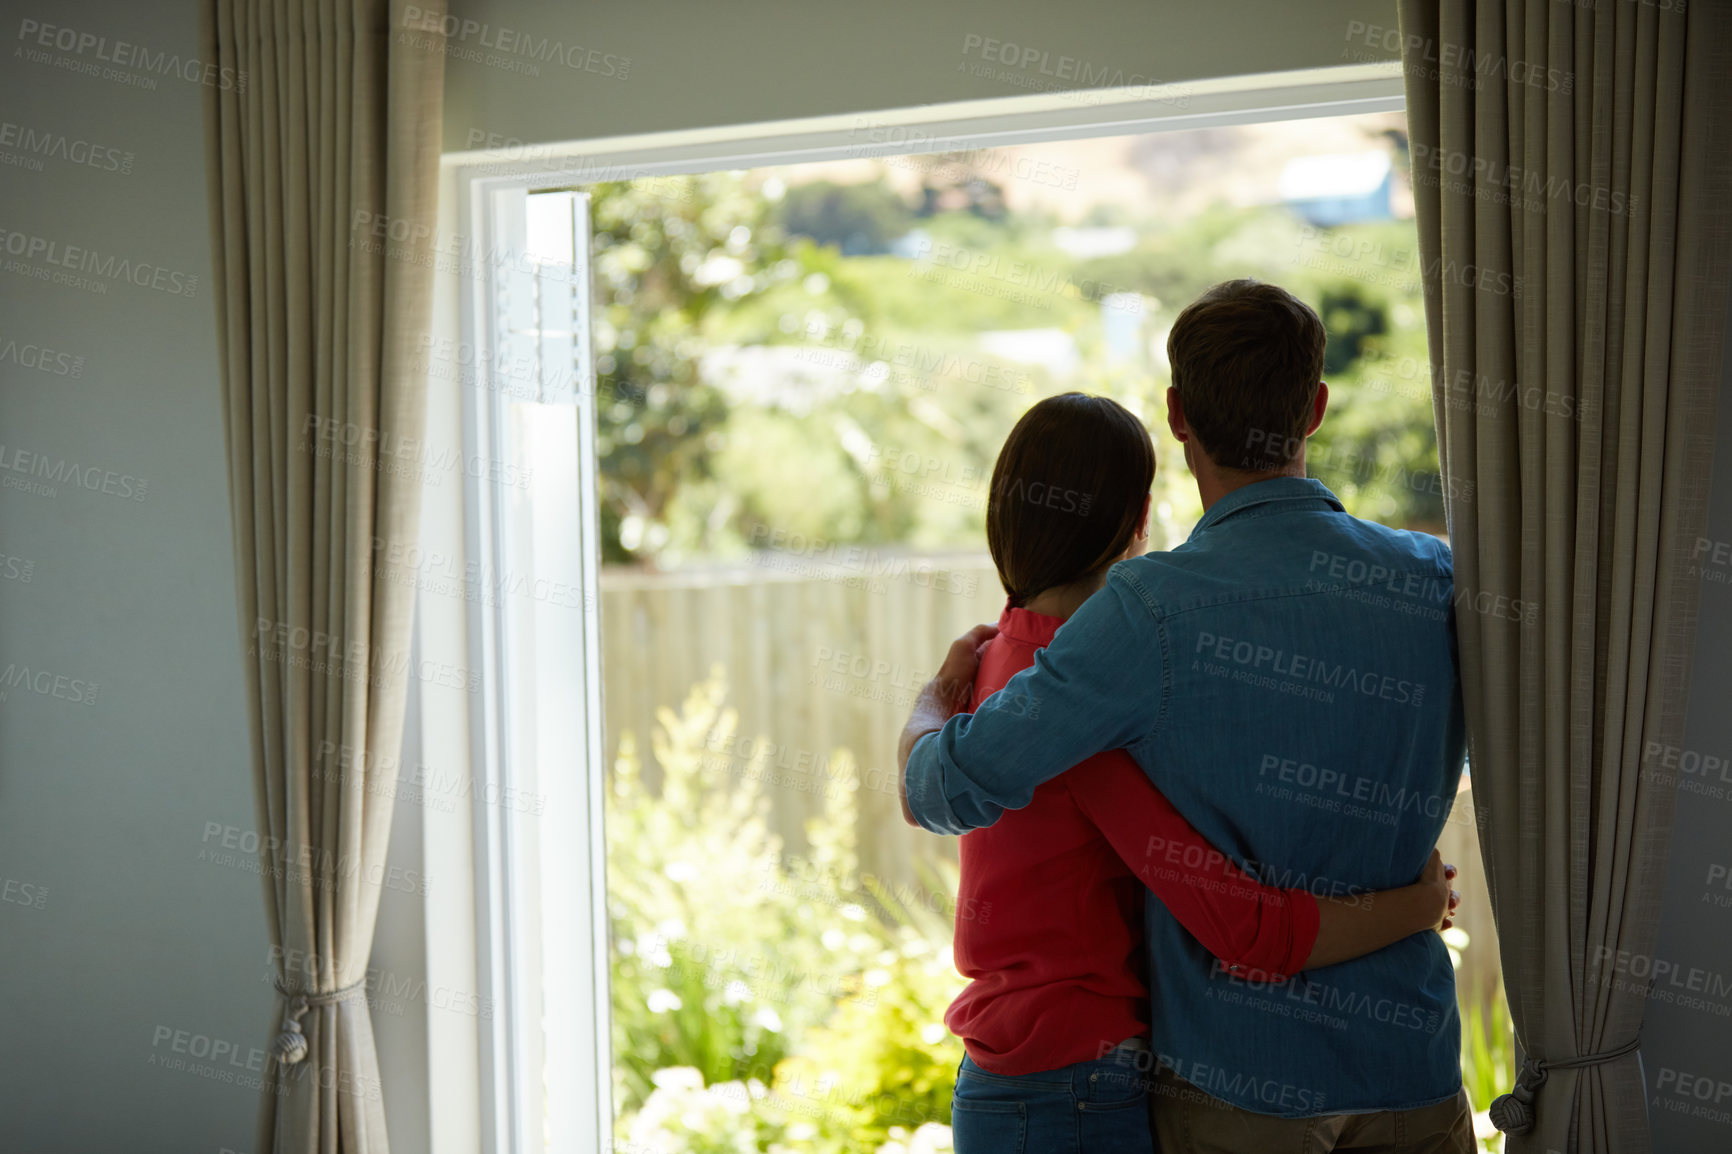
(513, 927)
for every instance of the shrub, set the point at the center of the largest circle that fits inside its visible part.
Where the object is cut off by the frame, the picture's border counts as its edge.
(683, 1116)
(718, 957)
(1488, 1065)
(884, 1060)
(761, 996)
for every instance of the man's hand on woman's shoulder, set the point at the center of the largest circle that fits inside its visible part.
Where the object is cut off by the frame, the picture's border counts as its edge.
(954, 681)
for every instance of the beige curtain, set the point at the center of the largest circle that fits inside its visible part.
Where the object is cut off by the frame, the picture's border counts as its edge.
(1570, 167)
(322, 144)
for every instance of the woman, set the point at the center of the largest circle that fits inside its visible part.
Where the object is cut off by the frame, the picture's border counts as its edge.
(1055, 1020)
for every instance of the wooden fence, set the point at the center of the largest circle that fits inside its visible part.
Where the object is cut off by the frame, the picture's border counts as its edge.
(818, 655)
(826, 654)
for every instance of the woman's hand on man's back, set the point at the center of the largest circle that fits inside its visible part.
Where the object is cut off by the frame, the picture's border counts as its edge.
(1436, 878)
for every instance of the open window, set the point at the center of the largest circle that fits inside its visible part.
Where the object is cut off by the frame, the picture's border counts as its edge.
(756, 792)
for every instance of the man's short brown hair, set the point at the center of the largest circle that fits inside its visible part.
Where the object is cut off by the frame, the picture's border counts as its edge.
(1246, 358)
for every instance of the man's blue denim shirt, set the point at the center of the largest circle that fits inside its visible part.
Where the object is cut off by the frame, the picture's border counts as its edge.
(1287, 677)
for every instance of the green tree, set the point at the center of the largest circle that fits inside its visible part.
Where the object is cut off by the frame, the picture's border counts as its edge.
(888, 368)
(1352, 319)
(856, 219)
(667, 254)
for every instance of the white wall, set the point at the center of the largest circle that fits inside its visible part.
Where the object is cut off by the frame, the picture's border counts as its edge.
(104, 807)
(697, 65)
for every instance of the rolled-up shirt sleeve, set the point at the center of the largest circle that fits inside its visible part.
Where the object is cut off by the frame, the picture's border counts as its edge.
(1100, 685)
(1255, 930)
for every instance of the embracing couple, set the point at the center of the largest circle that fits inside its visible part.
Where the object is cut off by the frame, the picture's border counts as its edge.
(1204, 786)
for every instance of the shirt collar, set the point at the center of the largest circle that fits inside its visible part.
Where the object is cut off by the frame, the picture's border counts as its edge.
(1027, 628)
(1276, 489)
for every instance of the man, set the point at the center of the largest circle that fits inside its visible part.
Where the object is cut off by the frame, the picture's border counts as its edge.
(1287, 678)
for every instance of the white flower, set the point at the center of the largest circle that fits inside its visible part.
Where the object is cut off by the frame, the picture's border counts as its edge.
(736, 992)
(660, 1002)
(717, 270)
(769, 1020)
(931, 1138)
(675, 1078)
(733, 1096)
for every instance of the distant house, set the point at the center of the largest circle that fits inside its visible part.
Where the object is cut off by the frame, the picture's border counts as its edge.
(799, 378)
(1086, 243)
(1052, 349)
(1122, 317)
(1341, 189)
(912, 245)
(795, 378)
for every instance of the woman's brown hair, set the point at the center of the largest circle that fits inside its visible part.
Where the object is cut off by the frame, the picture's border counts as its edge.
(1067, 493)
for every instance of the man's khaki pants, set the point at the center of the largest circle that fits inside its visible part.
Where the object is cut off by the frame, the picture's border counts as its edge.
(1188, 1121)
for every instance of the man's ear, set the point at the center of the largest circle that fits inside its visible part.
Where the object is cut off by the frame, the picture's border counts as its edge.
(1176, 416)
(1317, 408)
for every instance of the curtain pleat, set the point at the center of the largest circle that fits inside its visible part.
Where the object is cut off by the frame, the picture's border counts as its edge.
(333, 124)
(1570, 163)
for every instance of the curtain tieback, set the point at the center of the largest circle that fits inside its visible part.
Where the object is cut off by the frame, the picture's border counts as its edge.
(1513, 1113)
(290, 1046)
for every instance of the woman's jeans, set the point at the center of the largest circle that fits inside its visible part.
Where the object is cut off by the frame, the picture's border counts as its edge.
(1096, 1107)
